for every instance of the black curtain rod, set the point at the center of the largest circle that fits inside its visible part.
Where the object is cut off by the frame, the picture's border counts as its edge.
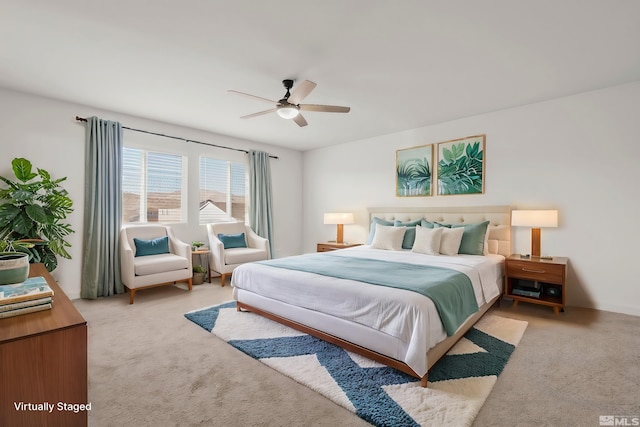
(82, 119)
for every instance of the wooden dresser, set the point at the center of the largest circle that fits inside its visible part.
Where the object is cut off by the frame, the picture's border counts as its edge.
(43, 360)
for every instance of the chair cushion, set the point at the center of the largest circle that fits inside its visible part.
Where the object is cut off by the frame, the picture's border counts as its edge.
(159, 245)
(242, 255)
(153, 264)
(233, 240)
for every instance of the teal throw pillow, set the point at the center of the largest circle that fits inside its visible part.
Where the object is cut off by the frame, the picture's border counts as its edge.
(375, 221)
(473, 238)
(409, 232)
(233, 240)
(427, 224)
(155, 246)
(441, 225)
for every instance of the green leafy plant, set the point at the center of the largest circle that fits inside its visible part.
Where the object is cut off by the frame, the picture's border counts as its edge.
(199, 269)
(414, 177)
(34, 207)
(7, 245)
(460, 169)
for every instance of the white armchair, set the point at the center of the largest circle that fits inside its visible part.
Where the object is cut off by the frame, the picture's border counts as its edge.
(154, 261)
(222, 260)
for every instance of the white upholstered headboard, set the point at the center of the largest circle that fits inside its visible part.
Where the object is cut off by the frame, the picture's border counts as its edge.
(499, 217)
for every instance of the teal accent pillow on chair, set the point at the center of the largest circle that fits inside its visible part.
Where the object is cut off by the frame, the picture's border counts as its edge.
(233, 240)
(155, 246)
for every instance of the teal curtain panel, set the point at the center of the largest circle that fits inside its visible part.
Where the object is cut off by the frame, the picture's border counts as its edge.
(260, 195)
(103, 209)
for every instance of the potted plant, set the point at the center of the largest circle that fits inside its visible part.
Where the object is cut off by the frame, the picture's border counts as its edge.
(196, 245)
(34, 207)
(198, 274)
(14, 261)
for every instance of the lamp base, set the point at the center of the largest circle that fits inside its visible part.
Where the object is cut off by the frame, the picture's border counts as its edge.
(340, 233)
(535, 242)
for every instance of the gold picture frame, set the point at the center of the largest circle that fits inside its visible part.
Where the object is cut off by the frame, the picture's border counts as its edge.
(461, 166)
(414, 168)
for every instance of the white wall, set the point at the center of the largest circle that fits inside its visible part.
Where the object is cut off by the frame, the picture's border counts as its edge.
(45, 132)
(579, 154)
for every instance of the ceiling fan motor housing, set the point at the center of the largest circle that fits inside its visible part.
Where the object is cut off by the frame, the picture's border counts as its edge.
(288, 83)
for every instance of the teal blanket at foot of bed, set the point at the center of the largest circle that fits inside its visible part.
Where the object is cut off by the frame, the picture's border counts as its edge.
(451, 291)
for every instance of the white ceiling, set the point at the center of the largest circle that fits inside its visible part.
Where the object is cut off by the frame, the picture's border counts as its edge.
(398, 64)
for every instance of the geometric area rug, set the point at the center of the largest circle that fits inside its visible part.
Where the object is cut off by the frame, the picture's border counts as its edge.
(458, 384)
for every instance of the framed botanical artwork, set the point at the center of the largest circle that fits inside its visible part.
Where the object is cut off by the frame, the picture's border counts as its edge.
(413, 171)
(460, 167)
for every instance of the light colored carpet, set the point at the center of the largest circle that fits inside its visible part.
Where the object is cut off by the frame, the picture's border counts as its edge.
(149, 366)
(459, 383)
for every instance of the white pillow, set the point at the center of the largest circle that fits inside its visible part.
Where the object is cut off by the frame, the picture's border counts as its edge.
(450, 242)
(427, 240)
(388, 237)
(486, 241)
(493, 246)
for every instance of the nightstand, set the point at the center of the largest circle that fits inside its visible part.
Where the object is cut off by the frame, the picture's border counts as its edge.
(333, 246)
(536, 280)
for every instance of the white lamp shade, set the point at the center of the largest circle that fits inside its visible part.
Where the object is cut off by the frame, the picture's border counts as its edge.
(338, 218)
(534, 218)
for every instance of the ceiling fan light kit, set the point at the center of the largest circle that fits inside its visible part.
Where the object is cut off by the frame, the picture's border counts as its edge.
(288, 111)
(289, 106)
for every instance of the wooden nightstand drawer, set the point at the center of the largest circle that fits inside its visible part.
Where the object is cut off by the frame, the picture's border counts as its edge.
(333, 246)
(544, 272)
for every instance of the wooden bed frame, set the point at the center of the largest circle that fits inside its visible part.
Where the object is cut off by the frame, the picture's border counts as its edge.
(433, 355)
(499, 217)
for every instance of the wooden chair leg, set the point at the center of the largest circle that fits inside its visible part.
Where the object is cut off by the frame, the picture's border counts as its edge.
(223, 278)
(190, 283)
(132, 294)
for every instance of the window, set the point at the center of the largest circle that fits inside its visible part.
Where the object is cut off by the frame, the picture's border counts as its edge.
(222, 191)
(154, 186)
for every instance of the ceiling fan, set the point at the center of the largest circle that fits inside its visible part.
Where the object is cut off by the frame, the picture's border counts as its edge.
(289, 106)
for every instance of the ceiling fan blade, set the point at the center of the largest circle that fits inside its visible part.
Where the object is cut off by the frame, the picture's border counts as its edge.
(259, 98)
(260, 113)
(325, 108)
(300, 121)
(301, 91)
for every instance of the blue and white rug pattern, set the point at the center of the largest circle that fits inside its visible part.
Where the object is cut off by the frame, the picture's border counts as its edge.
(458, 384)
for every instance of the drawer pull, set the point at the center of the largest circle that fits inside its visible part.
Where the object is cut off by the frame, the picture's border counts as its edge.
(533, 271)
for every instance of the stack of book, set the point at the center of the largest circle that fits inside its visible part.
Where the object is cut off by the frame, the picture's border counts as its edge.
(34, 294)
(527, 288)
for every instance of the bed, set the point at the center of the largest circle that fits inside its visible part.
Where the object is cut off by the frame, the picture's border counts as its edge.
(398, 327)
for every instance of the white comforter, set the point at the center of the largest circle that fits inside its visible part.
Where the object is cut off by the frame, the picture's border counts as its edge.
(408, 316)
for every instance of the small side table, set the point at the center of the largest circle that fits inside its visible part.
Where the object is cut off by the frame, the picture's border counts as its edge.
(200, 253)
(333, 246)
(550, 275)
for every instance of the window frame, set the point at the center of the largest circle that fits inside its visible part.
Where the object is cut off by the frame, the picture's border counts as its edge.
(143, 210)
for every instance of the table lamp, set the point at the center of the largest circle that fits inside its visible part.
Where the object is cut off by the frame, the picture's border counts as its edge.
(339, 219)
(534, 219)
